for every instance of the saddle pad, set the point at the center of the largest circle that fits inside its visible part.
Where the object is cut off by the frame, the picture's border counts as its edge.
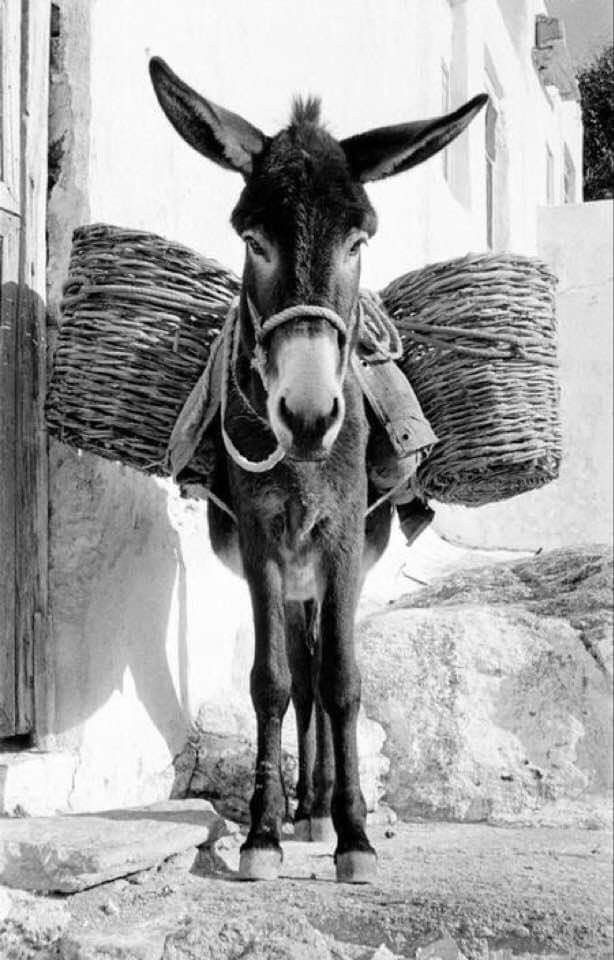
(197, 414)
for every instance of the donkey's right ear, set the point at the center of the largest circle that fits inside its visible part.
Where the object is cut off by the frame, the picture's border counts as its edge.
(218, 134)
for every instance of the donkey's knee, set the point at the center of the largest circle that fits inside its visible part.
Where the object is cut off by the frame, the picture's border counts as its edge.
(340, 693)
(270, 689)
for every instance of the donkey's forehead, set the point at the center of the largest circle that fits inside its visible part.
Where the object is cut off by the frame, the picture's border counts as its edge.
(303, 172)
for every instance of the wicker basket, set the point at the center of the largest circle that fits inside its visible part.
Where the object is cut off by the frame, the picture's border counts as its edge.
(480, 351)
(139, 316)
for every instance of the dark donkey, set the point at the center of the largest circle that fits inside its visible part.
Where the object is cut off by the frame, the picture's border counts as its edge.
(301, 538)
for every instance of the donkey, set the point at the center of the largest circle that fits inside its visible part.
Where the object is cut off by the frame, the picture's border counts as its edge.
(299, 535)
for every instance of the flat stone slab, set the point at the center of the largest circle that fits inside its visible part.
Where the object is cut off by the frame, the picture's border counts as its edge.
(70, 853)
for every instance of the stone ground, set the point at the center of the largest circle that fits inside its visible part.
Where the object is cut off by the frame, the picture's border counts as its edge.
(495, 892)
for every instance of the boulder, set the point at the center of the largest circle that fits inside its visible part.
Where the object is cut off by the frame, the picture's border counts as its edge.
(219, 760)
(494, 687)
(70, 853)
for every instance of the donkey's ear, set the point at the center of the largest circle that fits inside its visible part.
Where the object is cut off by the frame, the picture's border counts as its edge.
(220, 135)
(381, 153)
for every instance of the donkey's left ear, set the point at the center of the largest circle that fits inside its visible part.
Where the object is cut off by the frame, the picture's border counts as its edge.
(388, 150)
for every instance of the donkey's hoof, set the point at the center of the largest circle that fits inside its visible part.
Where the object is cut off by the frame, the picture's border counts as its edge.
(356, 866)
(302, 830)
(322, 830)
(259, 863)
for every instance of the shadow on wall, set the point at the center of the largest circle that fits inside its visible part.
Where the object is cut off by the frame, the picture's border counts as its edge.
(118, 594)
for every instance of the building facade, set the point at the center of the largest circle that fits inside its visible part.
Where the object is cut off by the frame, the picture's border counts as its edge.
(143, 631)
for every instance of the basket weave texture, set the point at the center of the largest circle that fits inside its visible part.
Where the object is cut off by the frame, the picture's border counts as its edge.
(479, 335)
(139, 316)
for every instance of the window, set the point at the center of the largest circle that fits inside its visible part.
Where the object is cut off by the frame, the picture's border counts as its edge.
(445, 108)
(550, 199)
(569, 178)
(491, 160)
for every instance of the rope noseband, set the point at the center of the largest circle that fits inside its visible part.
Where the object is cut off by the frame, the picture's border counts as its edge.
(378, 342)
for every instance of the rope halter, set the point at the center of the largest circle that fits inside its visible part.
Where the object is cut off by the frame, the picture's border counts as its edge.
(378, 342)
(263, 328)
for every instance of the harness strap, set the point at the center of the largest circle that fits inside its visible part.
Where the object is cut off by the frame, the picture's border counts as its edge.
(262, 328)
(378, 343)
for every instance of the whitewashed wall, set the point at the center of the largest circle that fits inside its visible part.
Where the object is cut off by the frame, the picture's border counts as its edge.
(147, 625)
(577, 240)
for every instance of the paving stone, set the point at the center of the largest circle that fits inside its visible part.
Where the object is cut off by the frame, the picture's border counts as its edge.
(71, 853)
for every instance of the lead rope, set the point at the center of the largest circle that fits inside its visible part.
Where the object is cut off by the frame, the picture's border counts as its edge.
(231, 349)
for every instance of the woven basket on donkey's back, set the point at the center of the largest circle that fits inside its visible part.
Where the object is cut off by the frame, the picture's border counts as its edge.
(140, 313)
(479, 334)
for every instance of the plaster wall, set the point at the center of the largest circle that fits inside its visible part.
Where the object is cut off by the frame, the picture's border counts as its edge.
(576, 240)
(147, 625)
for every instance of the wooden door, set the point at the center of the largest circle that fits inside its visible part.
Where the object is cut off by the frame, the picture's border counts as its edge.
(24, 66)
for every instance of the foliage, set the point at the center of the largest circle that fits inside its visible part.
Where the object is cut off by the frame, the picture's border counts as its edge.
(596, 82)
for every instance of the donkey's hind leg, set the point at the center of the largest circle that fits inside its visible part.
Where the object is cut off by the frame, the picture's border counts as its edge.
(300, 657)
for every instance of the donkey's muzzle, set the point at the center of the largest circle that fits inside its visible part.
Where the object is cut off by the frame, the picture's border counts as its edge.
(311, 431)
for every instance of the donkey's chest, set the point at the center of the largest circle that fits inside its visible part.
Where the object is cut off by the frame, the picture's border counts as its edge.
(297, 528)
(302, 576)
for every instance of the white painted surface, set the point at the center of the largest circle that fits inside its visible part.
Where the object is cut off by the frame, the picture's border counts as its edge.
(148, 626)
(577, 508)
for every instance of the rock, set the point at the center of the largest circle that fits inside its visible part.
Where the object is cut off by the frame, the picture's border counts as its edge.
(224, 854)
(444, 949)
(71, 853)
(36, 783)
(30, 927)
(142, 943)
(382, 816)
(383, 953)
(251, 938)
(182, 862)
(494, 687)
(222, 756)
(110, 908)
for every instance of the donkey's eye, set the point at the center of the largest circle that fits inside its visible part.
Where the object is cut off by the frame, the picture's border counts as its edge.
(356, 244)
(254, 245)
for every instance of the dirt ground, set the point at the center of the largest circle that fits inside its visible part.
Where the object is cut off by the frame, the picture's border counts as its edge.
(523, 892)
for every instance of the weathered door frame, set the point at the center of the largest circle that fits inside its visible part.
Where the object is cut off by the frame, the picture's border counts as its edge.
(23, 440)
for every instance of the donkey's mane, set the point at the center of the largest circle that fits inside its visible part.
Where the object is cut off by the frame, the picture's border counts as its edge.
(305, 110)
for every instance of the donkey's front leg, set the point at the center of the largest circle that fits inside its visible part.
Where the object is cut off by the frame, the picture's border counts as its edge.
(340, 692)
(261, 853)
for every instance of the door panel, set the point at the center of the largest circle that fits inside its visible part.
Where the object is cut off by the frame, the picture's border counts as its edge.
(9, 261)
(13, 698)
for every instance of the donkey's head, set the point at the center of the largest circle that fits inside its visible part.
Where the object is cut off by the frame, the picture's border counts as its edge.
(304, 215)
